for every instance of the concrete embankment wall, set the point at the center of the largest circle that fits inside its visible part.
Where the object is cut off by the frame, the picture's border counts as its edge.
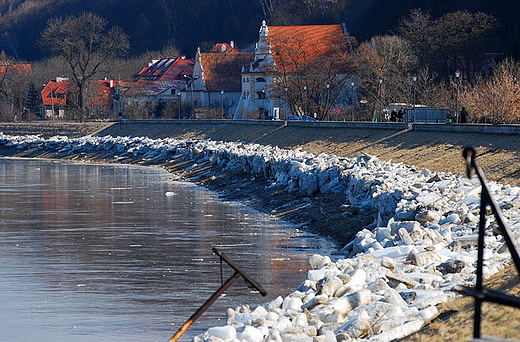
(437, 147)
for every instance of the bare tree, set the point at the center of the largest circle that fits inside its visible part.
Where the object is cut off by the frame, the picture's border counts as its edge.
(384, 67)
(495, 98)
(310, 84)
(85, 44)
(418, 30)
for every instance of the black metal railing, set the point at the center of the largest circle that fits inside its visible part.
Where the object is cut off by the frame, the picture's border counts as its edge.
(480, 293)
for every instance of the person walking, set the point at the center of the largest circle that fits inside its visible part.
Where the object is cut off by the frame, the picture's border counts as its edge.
(393, 115)
(463, 115)
(400, 114)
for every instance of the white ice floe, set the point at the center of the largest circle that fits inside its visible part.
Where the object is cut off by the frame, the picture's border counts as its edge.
(421, 245)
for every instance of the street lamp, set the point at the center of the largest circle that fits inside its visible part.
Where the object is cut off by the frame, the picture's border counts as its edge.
(222, 102)
(414, 78)
(287, 104)
(457, 76)
(265, 109)
(305, 103)
(380, 97)
(327, 104)
(353, 98)
(179, 94)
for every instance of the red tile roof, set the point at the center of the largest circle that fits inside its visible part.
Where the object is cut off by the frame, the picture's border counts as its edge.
(166, 69)
(222, 71)
(55, 93)
(296, 44)
(105, 90)
(224, 48)
(23, 69)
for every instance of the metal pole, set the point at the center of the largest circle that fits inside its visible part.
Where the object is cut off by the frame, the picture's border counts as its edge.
(287, 104)
(179, 105)
(353, 98)
(380, 98)
(305, 104)
(238, 273)
(457, 75)
(414, 78)
(205, 306)
(222, 103)
(472, 168)
(328, 99)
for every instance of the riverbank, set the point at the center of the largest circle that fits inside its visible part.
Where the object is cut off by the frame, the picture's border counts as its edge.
(438, 151)
(322, 210)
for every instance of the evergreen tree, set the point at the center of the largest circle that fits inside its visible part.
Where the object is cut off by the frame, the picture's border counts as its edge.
(33, 102)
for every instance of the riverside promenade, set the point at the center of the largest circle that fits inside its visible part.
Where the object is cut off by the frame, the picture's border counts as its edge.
(437, 147)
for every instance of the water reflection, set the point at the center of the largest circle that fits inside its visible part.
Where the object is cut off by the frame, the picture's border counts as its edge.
(94, 252)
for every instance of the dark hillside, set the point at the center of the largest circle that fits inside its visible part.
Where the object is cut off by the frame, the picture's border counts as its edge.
(187, 24)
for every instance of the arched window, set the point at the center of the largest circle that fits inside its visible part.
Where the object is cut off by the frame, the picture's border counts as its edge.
(261, 94)
(260, 79)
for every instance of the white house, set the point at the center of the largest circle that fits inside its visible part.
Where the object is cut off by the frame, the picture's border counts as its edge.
(278, 51)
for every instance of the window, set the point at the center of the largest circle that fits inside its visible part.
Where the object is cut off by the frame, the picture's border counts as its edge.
(261, 94)
(260, 79)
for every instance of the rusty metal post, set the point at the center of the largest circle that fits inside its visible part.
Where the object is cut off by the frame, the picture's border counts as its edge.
(204, 307)
(238, 273)
(479, 292)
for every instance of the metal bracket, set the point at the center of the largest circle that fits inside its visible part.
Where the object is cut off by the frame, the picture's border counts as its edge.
(480, 293)
(238, 273)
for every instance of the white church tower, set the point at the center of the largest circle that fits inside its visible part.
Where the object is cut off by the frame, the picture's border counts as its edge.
(255, 101)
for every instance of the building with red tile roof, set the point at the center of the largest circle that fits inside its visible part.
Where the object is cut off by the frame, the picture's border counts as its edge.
(225, 48)
(57, 97)
(166, 69)
(54, 98)
(279, 51)
(217, 76)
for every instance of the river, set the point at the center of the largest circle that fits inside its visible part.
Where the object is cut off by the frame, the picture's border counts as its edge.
(98, 252)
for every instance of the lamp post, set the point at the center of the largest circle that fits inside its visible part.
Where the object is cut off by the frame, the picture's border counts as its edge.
(305, 103)
(414, 78)
(457, 76)
(287, 103)
(328, 99)
(222, 103)
(179, 94)
(380, 97)
(353, 98)
(263, 99)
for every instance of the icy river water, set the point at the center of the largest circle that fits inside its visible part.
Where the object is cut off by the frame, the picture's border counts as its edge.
(96, 252)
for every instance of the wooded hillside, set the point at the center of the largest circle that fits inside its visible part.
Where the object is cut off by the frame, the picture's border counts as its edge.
(186, 24)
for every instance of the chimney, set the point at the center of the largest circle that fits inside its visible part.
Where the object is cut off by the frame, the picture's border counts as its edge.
(183, 57)
(232, 43)
(111, 83)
